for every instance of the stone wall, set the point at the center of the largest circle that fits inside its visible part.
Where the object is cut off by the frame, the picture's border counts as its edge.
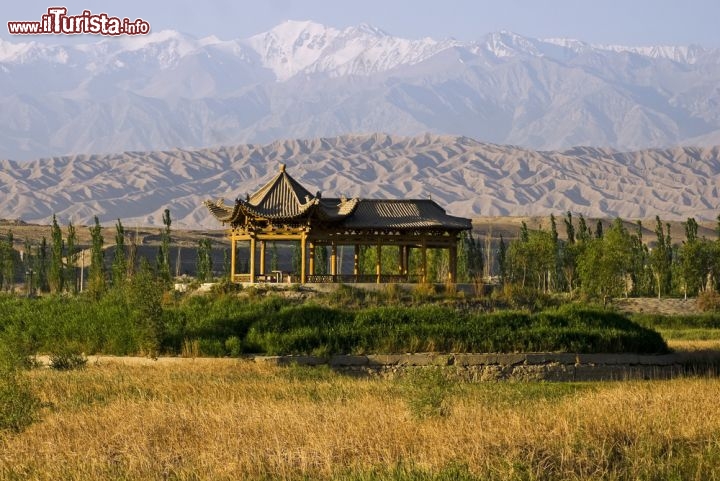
(519, 367)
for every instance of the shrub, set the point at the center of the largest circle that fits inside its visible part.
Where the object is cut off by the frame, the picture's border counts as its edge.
(67, 360)
(234, 346)
(423, 292)
(517, 297)
(709, 301)
(190, 348)
(19, 407)
(225, 287)
(212, 348)
(345, 295)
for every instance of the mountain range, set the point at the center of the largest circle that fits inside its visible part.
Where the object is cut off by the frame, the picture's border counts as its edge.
(168, 90)
(467, 177)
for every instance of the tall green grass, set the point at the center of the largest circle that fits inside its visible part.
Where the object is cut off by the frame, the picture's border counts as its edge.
(272, 325)
(689, 327)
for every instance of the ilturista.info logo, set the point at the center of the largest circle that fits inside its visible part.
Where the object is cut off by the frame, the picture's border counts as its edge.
(57, 22)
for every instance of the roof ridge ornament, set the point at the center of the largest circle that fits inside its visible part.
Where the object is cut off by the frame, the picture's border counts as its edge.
(282, 167)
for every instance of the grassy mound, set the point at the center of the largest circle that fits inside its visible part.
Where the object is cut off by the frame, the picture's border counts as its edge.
(309, 329)
(229, 325)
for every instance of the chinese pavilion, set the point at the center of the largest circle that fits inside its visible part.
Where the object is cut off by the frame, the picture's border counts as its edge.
(283, 210)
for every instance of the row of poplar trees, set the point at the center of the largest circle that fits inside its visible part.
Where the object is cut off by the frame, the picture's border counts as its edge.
(612, 262)
(57, 267)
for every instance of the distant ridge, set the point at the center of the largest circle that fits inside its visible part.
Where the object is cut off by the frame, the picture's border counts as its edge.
(467, 177)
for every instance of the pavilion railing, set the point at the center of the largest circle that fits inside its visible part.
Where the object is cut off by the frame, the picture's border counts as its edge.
(361, 278)
(330, 279)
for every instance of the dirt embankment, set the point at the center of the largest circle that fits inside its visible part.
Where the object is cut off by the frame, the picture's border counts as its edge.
(653, 305)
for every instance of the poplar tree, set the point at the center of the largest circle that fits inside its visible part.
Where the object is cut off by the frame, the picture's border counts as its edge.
(555, 273)
(599, 229)
(3, 254)
(7, 262)
(524, 233)
(693, 260)
(227, 264)
(163, 257)
(605, 263)
(55, 272)
(471, 254)
(132, 254)
(296, 258)
(583, 230)
(661, 258)
(502, 260)
(119, 265)
(569, 228)
(204, 260)
(321, 260)
(641, 273)
(568, 252)
(274, 257)
(96, 281)
(28, 265)
(41, 267)
(72, 257)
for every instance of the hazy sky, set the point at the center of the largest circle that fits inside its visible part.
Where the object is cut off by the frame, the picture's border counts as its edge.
(632, 22)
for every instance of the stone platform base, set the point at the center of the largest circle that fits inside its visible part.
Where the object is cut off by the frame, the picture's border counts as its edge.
(519, 367)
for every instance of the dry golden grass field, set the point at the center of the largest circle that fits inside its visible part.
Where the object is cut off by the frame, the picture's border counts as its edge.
(229, 419)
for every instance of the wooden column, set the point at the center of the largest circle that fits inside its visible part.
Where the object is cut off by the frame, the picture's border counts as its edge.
(378, 263)
(333, 261)
(453, 264)
(401, 260)
(233, 249)
(423, 252)
(356, 261)
(303, 242)
(406, 262)
(311, 258)
(252, 259)
(262, 257)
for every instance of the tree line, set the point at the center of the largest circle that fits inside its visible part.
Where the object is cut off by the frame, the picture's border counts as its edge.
(603, 262)
(611, 262)
(57, 266)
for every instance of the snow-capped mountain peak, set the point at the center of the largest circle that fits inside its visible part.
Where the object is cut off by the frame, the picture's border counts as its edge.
(307, 47)
(509, 44)
(292, 46)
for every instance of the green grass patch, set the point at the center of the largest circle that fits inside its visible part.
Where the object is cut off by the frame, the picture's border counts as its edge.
(231, 325)
(691, 327)
(690, 334)
(678, 322)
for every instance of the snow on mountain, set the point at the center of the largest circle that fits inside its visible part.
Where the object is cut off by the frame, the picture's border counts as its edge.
(509, 44)
(302, 79)
(306, 47)
(682, 54)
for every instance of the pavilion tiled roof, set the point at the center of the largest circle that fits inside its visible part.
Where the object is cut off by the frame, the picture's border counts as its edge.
(403, 214)
(283, 198)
